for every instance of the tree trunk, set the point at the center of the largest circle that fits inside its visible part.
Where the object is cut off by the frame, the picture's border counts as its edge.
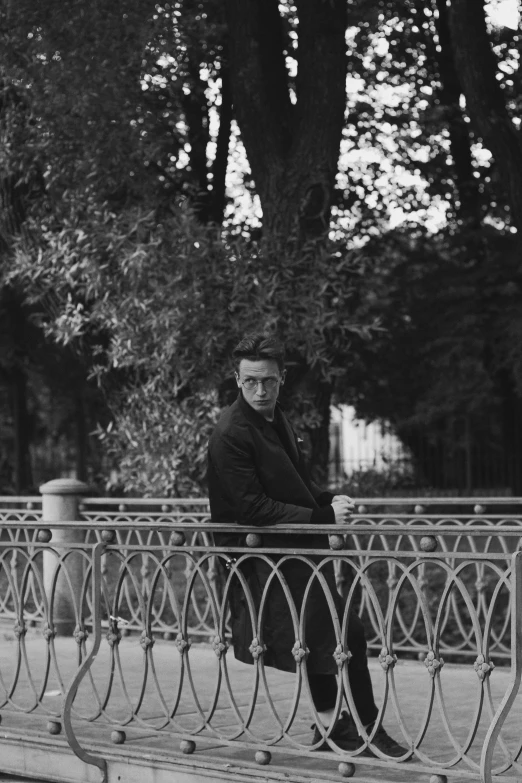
(81, 437)
(217, 199)
(511, 407)
(468, 201)
(196, 115)
(23, 480)
(292, 149)
(320, 436)
(485, 103)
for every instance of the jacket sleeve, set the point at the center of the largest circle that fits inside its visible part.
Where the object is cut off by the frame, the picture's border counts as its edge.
(235, 469)
(321, 497)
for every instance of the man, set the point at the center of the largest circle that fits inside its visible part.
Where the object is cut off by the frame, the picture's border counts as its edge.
(257, 476)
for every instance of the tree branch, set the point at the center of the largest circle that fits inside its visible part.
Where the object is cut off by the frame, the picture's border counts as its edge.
(477, 68)
(219, 167)
(259, 82)
(468, 209)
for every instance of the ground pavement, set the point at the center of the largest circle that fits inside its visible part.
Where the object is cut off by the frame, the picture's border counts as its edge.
(461, 694)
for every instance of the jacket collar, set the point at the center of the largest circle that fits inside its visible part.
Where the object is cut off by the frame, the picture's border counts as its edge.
(252, 415)
(259, 421)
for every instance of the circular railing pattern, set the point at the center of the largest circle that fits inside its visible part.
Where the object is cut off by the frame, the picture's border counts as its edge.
(11, 519)
(445, 592)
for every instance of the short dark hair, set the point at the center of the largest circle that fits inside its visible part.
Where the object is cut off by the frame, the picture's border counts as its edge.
(256, 347)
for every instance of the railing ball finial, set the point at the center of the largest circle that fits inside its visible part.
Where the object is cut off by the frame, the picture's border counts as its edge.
(362, 509)
(178, 538)
(428, 543)
(418, 509)
(479, 509)
(254, 540)
(118, 737)
(187, 746)
(54, 726)
(347, 769)
(44, 535)
(108, 536)
(336, 541)
(263, 757)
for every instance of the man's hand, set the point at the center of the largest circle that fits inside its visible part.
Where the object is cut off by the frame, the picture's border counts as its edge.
(343, 507)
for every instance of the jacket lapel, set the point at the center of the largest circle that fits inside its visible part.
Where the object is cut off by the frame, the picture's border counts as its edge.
(295, 457)
(290, 437)
(267, 429)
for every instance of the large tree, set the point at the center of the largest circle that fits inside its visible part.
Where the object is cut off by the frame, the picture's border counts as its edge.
(291, 125)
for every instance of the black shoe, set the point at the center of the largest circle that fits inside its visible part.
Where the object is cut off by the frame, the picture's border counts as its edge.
(346, 737)
(386, 744)
(344, 734)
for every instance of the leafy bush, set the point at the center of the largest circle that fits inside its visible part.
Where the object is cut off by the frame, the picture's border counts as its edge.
(157, 308)
(374, 483)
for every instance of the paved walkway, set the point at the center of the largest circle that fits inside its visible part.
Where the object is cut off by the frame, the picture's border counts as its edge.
(461, 694)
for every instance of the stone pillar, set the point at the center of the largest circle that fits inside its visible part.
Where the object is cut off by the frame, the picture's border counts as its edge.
(60, 501)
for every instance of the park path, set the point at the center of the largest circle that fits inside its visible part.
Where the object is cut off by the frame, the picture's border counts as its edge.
(461, 690)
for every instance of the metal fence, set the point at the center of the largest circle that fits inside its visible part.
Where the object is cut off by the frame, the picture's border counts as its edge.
(436, 587)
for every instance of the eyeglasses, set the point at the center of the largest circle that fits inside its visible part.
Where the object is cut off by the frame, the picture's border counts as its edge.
(267, 383)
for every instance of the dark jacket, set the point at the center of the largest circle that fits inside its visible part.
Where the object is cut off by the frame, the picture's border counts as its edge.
(256, 477)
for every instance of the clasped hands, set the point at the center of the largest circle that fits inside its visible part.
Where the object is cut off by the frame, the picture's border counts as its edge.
(343, 507)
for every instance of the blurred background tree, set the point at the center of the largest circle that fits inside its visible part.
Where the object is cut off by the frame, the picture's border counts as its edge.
(173, 175)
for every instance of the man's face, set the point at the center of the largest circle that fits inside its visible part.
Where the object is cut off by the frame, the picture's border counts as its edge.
(265, 378)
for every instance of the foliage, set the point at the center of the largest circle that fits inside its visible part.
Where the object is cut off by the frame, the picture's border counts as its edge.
(103, 98)
(449, 312)
(159, 306)
(400, 161)
(374, 483)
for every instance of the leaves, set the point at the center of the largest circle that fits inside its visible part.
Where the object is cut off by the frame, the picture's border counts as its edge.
(162, 305)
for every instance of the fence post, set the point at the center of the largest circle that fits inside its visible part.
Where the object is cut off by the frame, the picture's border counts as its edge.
(60, 501)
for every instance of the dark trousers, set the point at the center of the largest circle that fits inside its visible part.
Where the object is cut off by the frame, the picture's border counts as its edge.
(323, 687)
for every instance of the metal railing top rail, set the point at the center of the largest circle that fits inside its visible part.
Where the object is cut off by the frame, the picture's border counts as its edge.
(380, 501)
(168, 502)
(480, 503)
(503, 500)
(357, 527)
(462, 520)
(7, 499)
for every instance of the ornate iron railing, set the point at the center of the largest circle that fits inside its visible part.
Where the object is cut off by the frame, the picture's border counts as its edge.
(430, 585)
(132, 520)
